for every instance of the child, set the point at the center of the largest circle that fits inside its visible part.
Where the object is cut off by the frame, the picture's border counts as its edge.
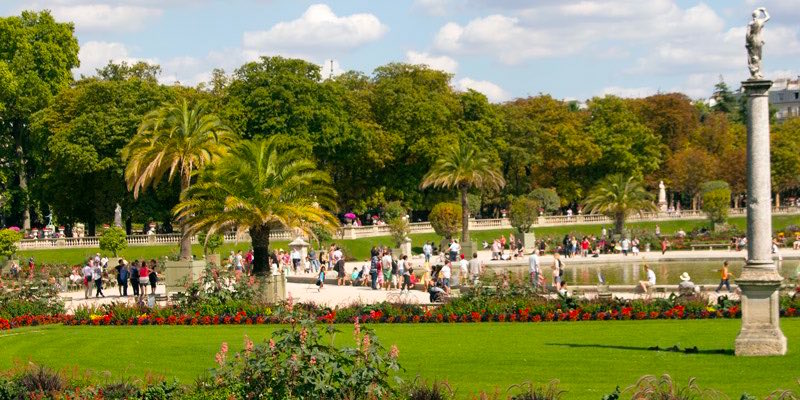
(321, 279)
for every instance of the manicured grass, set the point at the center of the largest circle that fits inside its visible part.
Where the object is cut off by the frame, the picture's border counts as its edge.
(359, 248)
(589, 358)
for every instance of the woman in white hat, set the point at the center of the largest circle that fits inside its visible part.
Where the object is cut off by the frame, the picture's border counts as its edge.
(686, 284)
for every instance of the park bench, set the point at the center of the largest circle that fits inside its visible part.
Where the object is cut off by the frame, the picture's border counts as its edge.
(711, 246)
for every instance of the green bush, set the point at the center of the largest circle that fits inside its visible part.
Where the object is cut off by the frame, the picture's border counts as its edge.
(295, 361)
(716, 196)
(547, 198)
(392, 210)
(474, 204)
(210, 242)
(8, 242)
(445, 219)
(523, 214)
(399, 229)
(113, 240)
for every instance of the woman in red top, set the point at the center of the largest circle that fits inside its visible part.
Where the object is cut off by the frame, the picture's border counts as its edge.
(144, 279)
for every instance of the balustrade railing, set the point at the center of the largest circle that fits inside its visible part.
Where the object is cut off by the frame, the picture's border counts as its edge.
(355, 232)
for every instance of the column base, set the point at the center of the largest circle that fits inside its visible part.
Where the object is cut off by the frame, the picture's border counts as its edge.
(761, 333)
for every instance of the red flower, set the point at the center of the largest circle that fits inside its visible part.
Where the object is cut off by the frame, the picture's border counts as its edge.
(586, 316)
(537, 318)
(654, 314)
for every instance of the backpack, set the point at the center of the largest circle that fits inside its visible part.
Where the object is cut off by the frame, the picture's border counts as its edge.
(394, 267)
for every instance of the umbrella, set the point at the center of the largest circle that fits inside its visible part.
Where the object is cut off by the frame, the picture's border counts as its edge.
(350, 216)
(14, 228)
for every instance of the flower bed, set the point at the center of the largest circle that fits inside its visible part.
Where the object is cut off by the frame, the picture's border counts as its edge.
(380, 313)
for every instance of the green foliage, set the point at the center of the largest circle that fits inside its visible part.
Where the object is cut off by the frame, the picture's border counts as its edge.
(445, 219)
(400, 229)
(394, 210)
(30, 297)
(257, 187)
(785, 155)
(302, 363)
(474, 202)
(716, 196)
(546, 198)
(210, 242)
(618, 196)
(523, 214)
(113, 239)
(8, 242)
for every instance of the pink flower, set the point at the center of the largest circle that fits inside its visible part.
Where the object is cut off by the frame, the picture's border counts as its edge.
(272, 344)
(394, 352)
(303, 336)
(223, 353)
(365, 343)
(289, 303)
(248, 344)
(356, 330)
(313, 360)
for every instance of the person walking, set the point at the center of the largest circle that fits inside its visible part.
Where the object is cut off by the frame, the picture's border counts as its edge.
(405, 274)
(87, 278)
(373, 271)
(445, 274)
(427, 250)
(134, 274)
(475, 268)
(144, 279)
(152, 276)
(725, 278)
(97, 276)
(664, 245)
(122, 277)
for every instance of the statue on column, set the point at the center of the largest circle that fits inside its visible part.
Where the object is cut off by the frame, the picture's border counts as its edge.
(118, 216)
(662, 197)
(754, 42)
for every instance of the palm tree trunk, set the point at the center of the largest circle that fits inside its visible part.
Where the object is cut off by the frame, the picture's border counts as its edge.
(464, 215)
(186, 237)
(619, 223)
(259, 236)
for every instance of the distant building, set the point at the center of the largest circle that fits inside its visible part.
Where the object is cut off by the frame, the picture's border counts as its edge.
(784, 97)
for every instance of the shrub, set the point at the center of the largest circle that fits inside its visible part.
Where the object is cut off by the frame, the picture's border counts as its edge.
(523, 214)
(421, 391)
(8, 242)
(399, 229)
(393, 209)
(539, 392)
(293, 363)
(716, 196)
(650, 387)
(210, 242)
(39, 379)
(446, 219)
(113, 240)
(547, 198)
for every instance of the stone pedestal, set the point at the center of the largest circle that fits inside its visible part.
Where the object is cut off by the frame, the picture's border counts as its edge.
(273, 288)
(529, 240)
(178, 274)
(405, 248)
(761, 334)
(468, 248)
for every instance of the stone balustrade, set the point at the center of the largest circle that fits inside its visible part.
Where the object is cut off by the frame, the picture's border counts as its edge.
(356, 232)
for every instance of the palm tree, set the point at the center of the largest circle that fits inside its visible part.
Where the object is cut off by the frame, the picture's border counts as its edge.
(175, 139)
(618, 197)
(463, 167)
(260, 188)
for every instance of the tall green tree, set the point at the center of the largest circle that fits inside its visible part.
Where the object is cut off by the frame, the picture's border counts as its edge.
(618, 196)
(259, 188)
(627, 145)
(463, 167)
(175, 140)
(36, 57)
(85, 128)
(785, 149)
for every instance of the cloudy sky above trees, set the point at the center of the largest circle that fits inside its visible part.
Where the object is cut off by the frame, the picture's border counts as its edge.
(572, 49)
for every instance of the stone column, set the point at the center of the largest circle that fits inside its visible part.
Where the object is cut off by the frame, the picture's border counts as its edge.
(760, 282)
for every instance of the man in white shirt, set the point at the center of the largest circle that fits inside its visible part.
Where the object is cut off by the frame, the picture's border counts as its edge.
(454, 249)
(625, 244)
(87, 278)
(463, 270)
(651, 279)
(427, 250)
(535, 270)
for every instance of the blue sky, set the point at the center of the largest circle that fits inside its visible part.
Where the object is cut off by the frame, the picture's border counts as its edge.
(571, 49)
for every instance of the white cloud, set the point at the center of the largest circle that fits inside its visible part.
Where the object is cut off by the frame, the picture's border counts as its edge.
(434, 7)
(442, 63)
(97, 54)
(105, 17)
(329, 68)
(571, 27)
(493, 92)
(318, 29)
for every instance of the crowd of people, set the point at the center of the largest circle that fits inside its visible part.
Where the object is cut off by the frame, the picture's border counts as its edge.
(96, 274)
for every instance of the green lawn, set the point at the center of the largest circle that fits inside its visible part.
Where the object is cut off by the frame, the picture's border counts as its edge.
(589, 358)
(359, 248)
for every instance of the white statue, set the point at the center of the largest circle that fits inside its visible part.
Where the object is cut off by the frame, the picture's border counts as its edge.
(118, 215)
(662, 197)
(754, 42)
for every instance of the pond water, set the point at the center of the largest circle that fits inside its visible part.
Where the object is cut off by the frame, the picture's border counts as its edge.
(701, 272)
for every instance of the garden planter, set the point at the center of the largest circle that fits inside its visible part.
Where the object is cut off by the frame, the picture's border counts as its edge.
(178, 274)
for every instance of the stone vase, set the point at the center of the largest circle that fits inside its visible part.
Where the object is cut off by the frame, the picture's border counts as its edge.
(178, 274)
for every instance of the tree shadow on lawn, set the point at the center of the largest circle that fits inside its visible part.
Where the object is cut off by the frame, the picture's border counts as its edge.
(673, 349)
